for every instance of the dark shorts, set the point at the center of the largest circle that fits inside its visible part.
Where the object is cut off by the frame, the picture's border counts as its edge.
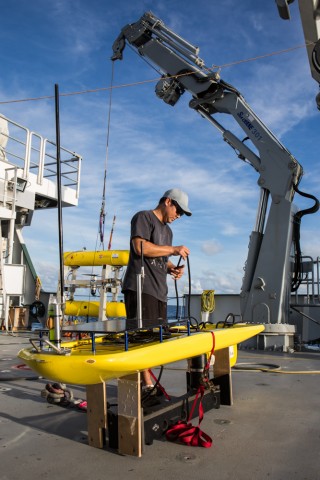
(154, 312)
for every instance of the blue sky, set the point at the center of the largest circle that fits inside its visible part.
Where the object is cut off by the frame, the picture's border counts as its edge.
(152, 146)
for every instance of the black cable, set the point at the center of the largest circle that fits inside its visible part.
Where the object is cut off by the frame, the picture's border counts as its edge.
(304, 314)
(176, 290)
(297, 273)
(189, 296)
(189, 285)
(229, 87)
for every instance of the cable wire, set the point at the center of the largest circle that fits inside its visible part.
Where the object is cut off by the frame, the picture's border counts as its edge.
(213, 68)
(270, 368)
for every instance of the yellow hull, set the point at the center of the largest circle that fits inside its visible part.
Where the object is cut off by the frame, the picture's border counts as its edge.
(84, 367)
(115, 258)
(91, 309)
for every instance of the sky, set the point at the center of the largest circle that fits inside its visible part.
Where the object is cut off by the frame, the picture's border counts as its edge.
(152, 146)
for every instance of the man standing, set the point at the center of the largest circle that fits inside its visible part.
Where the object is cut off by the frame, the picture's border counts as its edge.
(151, 237)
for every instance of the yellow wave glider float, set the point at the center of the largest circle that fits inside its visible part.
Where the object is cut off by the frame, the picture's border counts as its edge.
(83, 258)
(82, 366)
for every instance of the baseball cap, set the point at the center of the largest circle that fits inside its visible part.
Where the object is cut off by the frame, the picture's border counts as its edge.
(180, 197)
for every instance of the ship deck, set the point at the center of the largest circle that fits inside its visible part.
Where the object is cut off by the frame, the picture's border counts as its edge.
(270, 432)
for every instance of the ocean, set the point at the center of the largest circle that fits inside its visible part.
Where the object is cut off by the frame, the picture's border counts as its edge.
(173, 311)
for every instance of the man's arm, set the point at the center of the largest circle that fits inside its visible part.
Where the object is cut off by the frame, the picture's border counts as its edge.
(150, 249)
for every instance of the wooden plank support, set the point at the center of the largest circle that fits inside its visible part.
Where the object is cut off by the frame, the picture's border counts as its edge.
(222, 375)
(130, 415)
(97, 414)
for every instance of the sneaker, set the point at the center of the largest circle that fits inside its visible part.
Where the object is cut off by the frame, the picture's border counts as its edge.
(151, 391)
(148, 391)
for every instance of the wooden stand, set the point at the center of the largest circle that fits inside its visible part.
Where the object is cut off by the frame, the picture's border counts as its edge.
(222, 375)
(97, 414)
(18, 318)
(130, 415)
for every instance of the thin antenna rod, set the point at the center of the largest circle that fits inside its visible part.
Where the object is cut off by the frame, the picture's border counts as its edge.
(60, 226)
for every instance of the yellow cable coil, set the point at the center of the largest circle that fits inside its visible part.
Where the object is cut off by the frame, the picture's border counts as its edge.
(207, 301)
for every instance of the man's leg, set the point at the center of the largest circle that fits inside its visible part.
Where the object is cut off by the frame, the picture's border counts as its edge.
(153, 312)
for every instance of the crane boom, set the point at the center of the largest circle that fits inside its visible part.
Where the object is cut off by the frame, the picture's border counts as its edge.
(267, 278)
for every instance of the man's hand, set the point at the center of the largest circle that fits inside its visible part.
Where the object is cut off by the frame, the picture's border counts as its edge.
(176, 272)
(181, 250)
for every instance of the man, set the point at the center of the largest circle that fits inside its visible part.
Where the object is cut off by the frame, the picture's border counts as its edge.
(151, 237)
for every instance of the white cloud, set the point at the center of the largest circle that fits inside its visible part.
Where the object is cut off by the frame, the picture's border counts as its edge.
(211, 248)
(229, 229)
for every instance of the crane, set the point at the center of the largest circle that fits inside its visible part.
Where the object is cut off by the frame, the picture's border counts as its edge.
(273, 266)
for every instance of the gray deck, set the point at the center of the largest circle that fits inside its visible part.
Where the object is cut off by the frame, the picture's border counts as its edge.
(271, 431)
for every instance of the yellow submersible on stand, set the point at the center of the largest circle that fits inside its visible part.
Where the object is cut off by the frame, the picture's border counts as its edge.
(91, 309)
(115, 258)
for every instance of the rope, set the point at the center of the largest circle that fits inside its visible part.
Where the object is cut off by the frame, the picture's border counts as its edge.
(183, 431)
(270, 368)
(207, 301)
(83, 92)
(126, 85)
(260, 367)
(259, 57)
(111, 232)
(103, 204)
(102, 215)
(37, 288)
(158, 384)
(59, 394)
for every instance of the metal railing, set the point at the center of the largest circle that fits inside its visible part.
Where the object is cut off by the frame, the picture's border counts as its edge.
(310, 284)
(35, 154)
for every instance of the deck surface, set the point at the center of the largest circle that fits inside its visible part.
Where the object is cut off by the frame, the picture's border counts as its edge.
(271, 431)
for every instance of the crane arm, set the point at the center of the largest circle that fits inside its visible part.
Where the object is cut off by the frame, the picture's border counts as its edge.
(267, 271)
(182, 71)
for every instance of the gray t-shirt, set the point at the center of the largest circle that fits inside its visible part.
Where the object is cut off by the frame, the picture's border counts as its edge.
(146, 225)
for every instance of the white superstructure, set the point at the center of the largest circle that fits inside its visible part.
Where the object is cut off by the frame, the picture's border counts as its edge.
(28, 182)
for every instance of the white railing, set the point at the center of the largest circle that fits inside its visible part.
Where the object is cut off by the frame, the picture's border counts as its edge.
(35, 154)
